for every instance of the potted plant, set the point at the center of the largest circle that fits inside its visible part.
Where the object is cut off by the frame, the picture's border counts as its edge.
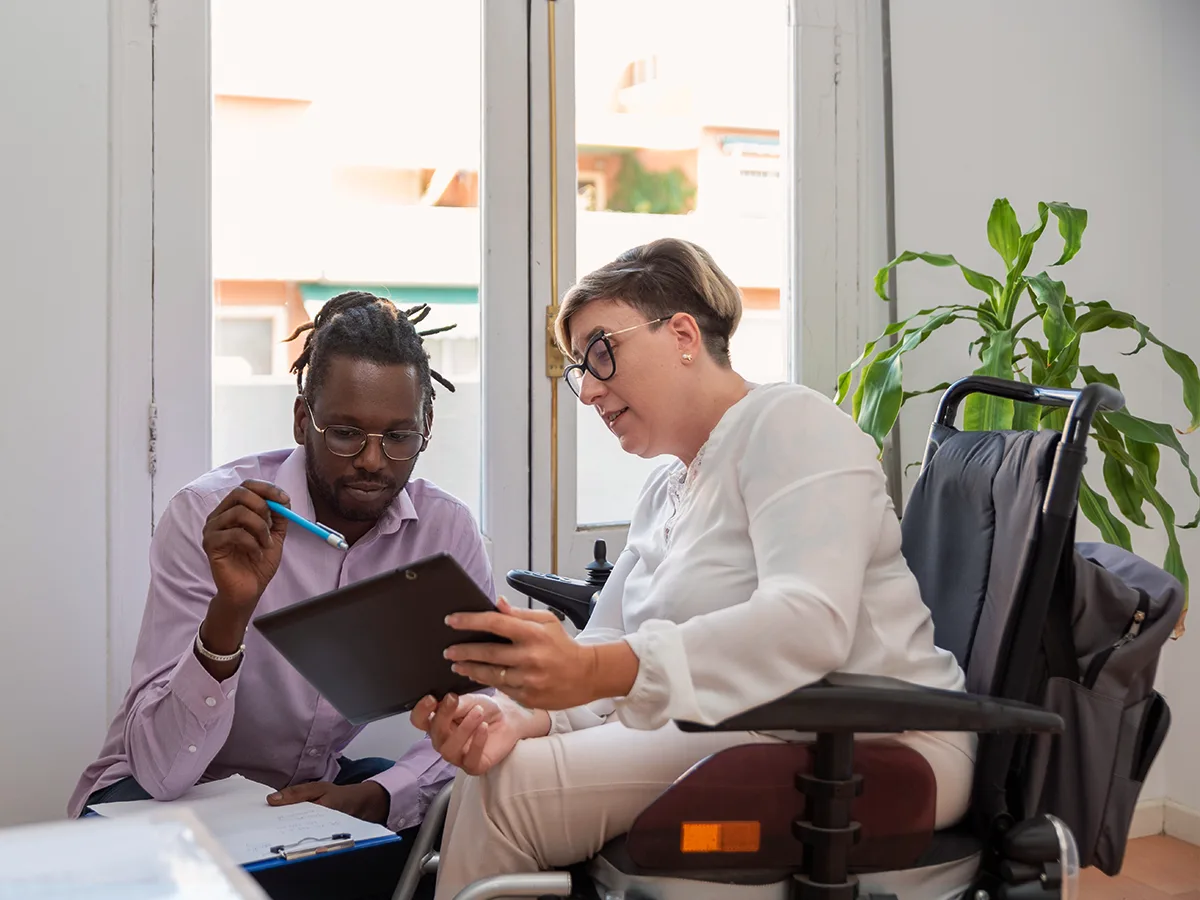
(1038, 341)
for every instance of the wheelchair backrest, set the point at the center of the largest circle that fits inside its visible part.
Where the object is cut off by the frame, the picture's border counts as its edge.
(971, 535)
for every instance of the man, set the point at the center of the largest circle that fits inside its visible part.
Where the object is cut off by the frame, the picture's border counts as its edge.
(203, 706)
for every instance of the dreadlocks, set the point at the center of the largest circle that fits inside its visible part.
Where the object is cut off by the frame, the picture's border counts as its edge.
(359, 325)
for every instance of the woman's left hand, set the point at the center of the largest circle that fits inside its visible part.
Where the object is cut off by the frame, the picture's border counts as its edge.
(543, 667)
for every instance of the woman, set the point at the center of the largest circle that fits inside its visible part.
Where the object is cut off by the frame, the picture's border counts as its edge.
(765, 558)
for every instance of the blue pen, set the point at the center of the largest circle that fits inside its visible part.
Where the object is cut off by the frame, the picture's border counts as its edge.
(328, 535)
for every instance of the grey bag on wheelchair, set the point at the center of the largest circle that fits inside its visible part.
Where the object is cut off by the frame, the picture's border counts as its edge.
(1100, 679)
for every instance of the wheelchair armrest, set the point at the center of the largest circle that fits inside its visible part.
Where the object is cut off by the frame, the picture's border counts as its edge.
(569, 596)
(866, 704)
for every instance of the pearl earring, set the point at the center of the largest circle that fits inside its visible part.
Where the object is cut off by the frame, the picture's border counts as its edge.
(687, 357)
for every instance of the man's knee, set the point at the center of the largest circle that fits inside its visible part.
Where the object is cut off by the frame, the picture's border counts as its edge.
(122, 791)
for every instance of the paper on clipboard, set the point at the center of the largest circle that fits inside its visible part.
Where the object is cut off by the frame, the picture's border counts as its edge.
(235, 810)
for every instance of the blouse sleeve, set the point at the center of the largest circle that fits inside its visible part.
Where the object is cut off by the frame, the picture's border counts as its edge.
(606, 624)
(815, 497)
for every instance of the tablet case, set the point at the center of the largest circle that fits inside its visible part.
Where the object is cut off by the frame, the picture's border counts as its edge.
(374, 648)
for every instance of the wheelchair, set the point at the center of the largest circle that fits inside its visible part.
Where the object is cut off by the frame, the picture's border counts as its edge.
(815, 820)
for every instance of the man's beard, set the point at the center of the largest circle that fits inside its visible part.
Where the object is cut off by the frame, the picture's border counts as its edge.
(328, 492)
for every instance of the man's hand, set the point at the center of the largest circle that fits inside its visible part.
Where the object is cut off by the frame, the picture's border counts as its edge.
(244, 544)
(367, 801)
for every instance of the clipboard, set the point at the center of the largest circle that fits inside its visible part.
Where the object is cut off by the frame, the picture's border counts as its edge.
(308, 848)
(301, 852)
(374, 648)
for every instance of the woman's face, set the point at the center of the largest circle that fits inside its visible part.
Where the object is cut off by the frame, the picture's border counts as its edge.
(636, 403)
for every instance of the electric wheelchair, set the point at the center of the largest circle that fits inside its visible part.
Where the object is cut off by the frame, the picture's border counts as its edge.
(988, 536)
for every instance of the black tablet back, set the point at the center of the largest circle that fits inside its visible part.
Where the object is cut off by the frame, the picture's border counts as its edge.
(374, 648)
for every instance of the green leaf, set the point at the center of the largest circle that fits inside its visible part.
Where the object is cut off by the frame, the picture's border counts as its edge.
(1181, 364)
(1052, 295)
(936, 389)
(977, 280)
(843, 382)
(1173, 562)
(1124, 490)
(1146, 454)
(1102, 315)
(1092, 375)
(1026, 416)
(879, 396)
(1004, 232)
(1095, 507)
(983, 412)
(1041, 362)
(1065, 366)
(1155, 433)
(1071, 224)
(1025, 248)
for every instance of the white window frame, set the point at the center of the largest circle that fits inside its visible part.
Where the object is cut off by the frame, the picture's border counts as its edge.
(130, 336)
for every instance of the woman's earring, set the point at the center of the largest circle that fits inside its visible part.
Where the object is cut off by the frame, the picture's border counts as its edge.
(687, 357)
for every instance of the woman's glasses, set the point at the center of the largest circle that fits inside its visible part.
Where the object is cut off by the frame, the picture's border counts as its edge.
(598, 359)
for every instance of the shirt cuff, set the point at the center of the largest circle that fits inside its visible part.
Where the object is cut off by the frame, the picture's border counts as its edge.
(649, 704)
(202, 695)
(412, 784)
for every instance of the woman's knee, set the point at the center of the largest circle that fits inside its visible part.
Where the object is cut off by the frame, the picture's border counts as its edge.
(505, 792)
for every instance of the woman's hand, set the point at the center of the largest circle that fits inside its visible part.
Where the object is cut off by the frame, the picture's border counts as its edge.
(543, 667)
(474, 732)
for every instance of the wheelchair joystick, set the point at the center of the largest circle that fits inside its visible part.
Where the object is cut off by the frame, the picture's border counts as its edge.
(599, 568)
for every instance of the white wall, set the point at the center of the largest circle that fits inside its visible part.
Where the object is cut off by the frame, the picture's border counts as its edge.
(1180, 156)
(1092, 102)
(54, 252)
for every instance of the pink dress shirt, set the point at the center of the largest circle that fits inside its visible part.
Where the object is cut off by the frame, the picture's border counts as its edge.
(178, 726)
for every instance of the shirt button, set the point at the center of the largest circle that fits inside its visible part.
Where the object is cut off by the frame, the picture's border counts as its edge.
(191, 748)
(209, 701)
(313, 752)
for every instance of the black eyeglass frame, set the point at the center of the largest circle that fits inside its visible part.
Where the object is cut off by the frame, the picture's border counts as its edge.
(604, 336)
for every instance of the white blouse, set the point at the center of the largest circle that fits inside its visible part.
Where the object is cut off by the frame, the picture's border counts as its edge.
(771, 562)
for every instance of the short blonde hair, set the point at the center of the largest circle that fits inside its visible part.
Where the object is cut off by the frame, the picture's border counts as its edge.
(658, 279)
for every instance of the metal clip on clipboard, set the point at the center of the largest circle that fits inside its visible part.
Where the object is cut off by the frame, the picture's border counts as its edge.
(289, 852)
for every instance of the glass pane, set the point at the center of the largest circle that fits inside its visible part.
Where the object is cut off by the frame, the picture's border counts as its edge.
(679, 109)
(345, 145)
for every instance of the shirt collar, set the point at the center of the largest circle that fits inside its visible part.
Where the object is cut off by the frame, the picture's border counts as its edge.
(292, 479)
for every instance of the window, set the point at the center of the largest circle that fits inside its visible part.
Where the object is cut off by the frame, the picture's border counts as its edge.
(358, 169)
(678, 125)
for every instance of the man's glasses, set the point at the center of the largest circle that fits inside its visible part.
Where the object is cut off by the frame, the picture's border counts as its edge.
(346, 440)
(598, 359)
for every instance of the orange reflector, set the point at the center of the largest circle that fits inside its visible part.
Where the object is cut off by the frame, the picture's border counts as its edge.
(720, 837)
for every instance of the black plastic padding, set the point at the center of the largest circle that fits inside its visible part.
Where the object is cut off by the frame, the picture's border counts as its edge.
(570, 596)
(869, 704)
(825, 839)
(823, 789)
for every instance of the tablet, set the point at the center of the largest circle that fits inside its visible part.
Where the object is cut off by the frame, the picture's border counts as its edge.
(374, 648)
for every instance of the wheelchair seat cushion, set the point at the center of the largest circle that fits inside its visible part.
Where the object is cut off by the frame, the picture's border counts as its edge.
(755, 786)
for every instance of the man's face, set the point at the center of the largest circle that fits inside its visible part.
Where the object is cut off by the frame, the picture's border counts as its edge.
(377, 399)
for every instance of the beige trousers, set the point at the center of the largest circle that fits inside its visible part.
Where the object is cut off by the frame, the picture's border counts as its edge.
(557, 800)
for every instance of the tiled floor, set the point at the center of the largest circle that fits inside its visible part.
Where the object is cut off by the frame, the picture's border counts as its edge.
(1155, 868)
